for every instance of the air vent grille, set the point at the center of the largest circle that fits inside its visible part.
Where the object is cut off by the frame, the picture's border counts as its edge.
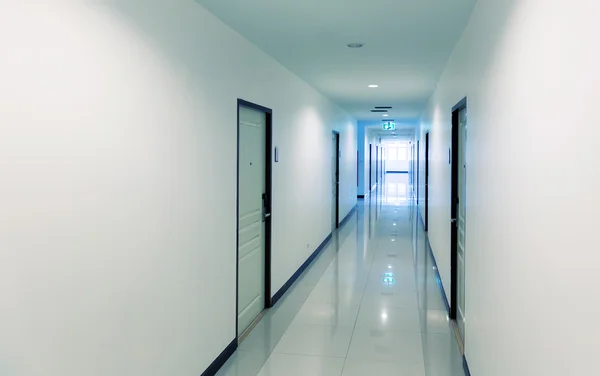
(379, 111)
(383, 107)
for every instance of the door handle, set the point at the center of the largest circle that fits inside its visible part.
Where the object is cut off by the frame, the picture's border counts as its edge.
(452, 220)
(265, 215)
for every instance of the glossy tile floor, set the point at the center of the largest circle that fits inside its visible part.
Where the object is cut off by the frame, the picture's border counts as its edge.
(368, 305)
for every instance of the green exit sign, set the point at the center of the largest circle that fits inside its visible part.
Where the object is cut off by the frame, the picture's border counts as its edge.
(388, 126)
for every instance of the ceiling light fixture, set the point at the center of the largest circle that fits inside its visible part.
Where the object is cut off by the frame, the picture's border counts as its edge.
(386, 115)
(355, 45)
(373, 85)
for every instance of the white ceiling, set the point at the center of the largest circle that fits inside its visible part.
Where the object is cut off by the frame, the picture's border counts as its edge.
(406, 46)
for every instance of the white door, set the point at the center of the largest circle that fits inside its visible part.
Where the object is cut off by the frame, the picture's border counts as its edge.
(251, 228)
(334, 183)
(462, 213)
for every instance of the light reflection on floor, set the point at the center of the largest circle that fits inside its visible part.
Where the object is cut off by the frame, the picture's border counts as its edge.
(368, 305)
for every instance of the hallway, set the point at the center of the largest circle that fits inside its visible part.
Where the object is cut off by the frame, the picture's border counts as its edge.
(368, 305)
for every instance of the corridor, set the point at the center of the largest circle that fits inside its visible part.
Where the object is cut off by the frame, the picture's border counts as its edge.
(370, 304)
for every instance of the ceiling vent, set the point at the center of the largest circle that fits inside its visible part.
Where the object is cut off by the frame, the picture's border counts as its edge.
(386, 120)
(379, 111)
(383, 107)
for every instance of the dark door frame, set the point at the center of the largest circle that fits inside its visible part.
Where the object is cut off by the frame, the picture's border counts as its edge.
(376, 164)
(418, 168)
(454, 196)
(266, 203)
(336, 134)
(370, 167)
(427, 181)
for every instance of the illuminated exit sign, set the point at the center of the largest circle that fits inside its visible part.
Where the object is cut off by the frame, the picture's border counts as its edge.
(388, 126)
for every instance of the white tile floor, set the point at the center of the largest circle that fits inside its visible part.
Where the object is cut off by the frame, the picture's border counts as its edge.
(342, 319)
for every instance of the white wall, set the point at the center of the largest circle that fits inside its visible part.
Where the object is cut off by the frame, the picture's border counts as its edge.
(118, 162)
(530, 71)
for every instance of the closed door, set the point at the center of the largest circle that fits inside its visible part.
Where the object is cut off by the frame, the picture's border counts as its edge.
(426, 181)
(461, 220)
(376, 164)
(334, 180)
(370, 167)
(251, 216)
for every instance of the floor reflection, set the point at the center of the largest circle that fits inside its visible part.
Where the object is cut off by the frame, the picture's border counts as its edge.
(369, 304)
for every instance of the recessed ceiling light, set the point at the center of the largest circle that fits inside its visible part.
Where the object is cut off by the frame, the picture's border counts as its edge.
(386, 115)
(355, 45)
(373, 85)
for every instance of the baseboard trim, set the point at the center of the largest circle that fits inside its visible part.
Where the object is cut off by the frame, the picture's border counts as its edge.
(347, 217)
(303, 267)
(421, 218)
(279, 294)
(466, 366)
(396, 172)
(437, 271)
(216, 365)
(360, 197)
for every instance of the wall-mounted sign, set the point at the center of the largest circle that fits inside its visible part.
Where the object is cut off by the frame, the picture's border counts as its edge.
(388, 126)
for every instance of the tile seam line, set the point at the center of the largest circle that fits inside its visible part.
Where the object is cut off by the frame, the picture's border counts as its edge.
(376, 241)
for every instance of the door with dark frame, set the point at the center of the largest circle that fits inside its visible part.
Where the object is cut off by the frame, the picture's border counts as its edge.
(376, 164)
(253, 237)
(418, 159)
(335, 180)
(427, 181)
(370, 167)
(458, 215)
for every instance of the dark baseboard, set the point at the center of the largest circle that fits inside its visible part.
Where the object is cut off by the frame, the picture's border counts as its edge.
(422, 220)
(441, 286)
(396, 172)
(437, 271)
(308, 261)
(216, 365)
(466, 366)
(361, 197)
(303, 267)
(347, 217)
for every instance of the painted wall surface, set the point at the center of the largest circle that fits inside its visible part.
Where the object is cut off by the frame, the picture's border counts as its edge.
(118, 161)
(367, 165)
(529, 69)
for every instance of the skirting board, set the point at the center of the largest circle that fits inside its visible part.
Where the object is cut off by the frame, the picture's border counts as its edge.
(421, 217)
(308, 261)
(466, 366)
(437, 272)
(347, 217)
(216, 365)
(441, 286)
(302, 267)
